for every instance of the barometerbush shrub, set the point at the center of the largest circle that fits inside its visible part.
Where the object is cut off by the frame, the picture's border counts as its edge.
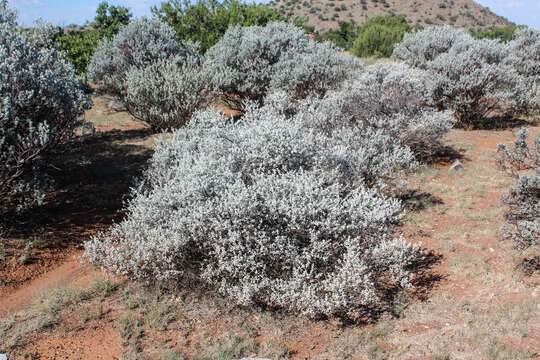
(393, 98)
(524, 57)
(40, 102)
(523, 199)
(156, 77)
(138, 44)
(472, 81)
(268, 211)
(165, 93)
(419, 48)
(254, 61)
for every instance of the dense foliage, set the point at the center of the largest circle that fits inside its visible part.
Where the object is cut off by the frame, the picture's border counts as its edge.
(109, 19)
(79, 45)
(419, 48)
(524, 57)
(342, 37)
(378, 36)
(254, 61)
(523, 199)
(165, 93)
(472, 81)
(503, 33)
(206, 21)
(476, 78)
(268, 211)
(393, 98)
(40, 102)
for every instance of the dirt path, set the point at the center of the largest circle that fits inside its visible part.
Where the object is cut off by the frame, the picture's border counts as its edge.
(63, 275)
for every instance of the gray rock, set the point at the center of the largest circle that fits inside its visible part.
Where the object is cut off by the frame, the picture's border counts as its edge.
(3, 357)
(457, 166)
(87, 129)
(116, 105)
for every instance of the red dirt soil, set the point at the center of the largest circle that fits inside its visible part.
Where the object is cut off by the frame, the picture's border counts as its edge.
(100, 340)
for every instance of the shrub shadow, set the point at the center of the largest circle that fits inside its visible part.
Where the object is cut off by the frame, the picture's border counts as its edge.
(414, 200)
(501, 123)
(92, 179)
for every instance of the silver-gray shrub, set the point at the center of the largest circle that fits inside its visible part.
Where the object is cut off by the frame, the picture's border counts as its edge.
(268, 212)
(252, 62)
(523, 199)
(472, 81)
(524, 57)
(137, 45)
(390, 97)
(40, 102)
(419, 48)
(165, 93)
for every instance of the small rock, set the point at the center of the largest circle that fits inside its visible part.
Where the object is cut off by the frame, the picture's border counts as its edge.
(457, 166)
(3, 357)
(87, 129)
(116, 105)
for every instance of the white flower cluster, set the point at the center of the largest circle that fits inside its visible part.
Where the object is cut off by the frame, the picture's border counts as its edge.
(269, 211)
(40, 102)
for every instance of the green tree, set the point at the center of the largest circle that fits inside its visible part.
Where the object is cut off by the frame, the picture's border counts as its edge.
(206, 21)
(79, 45)
(110, 18)
(378, 36)
(343, 37)
(503, 33)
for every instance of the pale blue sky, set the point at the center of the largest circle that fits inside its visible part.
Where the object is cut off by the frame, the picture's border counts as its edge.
(64, 12)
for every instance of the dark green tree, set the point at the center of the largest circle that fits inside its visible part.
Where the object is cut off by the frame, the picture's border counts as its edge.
(503, 33)
(110, 18)
(378, 36)
(206, 21)
(79, 45)
(343, 37)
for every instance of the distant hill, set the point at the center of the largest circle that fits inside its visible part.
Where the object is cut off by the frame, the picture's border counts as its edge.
(325, 14)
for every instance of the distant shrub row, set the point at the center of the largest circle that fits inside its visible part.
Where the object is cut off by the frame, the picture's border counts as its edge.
(163, 82)
(203, 21)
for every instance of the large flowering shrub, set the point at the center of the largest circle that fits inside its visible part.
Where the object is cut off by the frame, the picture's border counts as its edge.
(419, 48)
(393, 98)
(472, 81)
(524, 57)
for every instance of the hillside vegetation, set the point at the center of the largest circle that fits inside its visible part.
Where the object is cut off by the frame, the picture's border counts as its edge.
(324, 15)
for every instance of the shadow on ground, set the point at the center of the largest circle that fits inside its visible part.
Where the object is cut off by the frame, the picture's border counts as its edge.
(92, 179)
